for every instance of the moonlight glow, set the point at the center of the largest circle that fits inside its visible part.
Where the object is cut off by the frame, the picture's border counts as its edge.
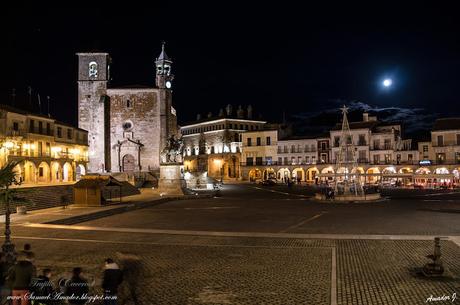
(387, 82)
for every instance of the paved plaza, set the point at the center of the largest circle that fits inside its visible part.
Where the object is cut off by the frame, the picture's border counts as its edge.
(262, 245)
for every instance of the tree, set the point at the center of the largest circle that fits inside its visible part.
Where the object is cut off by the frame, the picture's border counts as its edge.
(8, 177)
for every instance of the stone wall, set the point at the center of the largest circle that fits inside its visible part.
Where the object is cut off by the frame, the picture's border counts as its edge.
(42, 197)
(91, 117)
(91, 103)
(139, 109)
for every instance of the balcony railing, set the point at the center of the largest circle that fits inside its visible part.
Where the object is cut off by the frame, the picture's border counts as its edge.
(36, 154)
(297, 151)
(360, 161)
(14, 133)
(43, 131)
(275, 163)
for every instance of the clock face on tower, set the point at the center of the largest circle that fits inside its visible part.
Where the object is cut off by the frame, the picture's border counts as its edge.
(168, 84)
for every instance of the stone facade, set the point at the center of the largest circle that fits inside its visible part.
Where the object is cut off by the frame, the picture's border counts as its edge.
(382, 156)
(47, 151)
(127, 127)
(213, 144)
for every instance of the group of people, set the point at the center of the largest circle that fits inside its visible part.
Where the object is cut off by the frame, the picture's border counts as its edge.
(20, 284)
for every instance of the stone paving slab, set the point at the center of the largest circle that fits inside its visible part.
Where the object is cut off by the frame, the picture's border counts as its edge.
(202, 274)
(381, 272)
(177, 269)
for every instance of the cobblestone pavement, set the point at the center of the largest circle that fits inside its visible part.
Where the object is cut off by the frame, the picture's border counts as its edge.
(260, 272)
(192, 269)
(247, 209)
(176, 269)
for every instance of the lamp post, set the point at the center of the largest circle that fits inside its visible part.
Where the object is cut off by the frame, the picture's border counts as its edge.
(8, 246)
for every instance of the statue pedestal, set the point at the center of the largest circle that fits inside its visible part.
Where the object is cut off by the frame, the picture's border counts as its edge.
(171, 180)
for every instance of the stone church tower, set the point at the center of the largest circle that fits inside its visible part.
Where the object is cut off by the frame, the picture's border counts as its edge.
(127, 126)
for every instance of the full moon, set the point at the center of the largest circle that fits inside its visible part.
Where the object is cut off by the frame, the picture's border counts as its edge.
(387, 82)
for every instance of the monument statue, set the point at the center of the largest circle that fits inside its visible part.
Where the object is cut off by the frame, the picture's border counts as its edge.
(173, 152)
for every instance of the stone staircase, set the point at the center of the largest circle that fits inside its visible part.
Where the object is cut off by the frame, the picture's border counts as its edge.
(41, 197)
(138, 179)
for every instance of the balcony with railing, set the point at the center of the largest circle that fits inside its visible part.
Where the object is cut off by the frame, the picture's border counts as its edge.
(14, 133)
(51, 155)
(41, 131)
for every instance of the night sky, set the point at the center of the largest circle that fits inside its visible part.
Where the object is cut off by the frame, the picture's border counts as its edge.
(282, 58)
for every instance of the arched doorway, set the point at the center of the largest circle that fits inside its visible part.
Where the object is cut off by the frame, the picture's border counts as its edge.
(312, 172)
(56, 172)
(359, 173)
(29, 172)
(43, 172)
(327, 173)
(298, 174)
(456, 173)
(406, 177)
(373, 175)
(128, 163)
(423, 178)
(442, 181)
(18, 173)
(284, 174)
(269, 173)
(80, 171)
(255, 174)
(67, 172)
(389, 176)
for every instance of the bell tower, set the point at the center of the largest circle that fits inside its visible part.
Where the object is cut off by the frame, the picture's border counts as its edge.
(164, 78)
(163, 64)
(93, 77)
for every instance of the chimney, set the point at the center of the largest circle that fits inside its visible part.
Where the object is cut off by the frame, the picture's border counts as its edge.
(198, 117)
(240, 113)
(221, 113)
(229, 110)
(365, 116)
(249, 112)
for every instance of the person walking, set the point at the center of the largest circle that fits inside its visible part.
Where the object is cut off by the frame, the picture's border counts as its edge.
(112, 278)
(20, 277)
(43, 289)
(77, 287)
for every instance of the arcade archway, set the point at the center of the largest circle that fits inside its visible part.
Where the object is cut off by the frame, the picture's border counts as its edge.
(67, 172)
(255, 174)
(44, 173)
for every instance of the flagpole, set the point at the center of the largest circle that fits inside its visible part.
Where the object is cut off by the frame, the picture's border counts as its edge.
(39, 104)
(48, 98)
